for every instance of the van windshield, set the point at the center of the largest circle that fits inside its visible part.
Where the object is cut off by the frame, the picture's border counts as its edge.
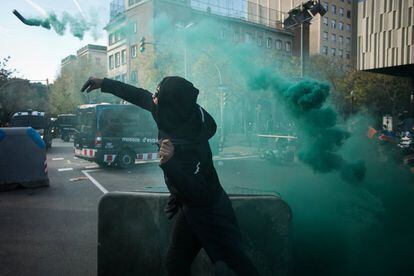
(36, 122)
(125, 121)
(67, 120)
(86, 121)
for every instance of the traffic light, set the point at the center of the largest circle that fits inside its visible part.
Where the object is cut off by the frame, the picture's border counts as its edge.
(224, 99)
(142, 44)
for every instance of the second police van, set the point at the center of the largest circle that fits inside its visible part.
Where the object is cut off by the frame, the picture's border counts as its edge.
(115, 134)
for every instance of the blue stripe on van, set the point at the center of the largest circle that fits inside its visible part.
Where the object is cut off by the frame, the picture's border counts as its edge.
(36, 137)
(2, 135)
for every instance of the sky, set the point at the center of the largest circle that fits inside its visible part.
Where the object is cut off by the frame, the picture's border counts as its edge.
(36, 52)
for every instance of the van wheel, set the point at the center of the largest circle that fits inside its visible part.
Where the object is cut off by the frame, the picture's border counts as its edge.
(126, 160)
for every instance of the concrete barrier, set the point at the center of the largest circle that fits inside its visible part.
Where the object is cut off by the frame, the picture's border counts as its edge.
(22, 158)
(133, 234)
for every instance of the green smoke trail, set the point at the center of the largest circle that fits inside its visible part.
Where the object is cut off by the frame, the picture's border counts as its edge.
(78, 26)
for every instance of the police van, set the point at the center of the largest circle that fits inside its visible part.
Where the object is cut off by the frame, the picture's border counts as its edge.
(38, 120)
(115, 134)
(66, 125)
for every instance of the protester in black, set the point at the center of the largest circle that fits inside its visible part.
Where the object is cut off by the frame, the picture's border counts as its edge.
(204, 215)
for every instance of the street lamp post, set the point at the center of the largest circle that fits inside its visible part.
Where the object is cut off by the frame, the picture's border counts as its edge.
(298, 17)
(180, 26)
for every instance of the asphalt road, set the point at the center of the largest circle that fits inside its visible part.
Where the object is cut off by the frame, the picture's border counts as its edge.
(53, 230)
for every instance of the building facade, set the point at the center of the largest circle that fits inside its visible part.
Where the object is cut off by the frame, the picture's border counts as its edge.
(333, 35)
(138, 17)
(93, 55)
(386, 36)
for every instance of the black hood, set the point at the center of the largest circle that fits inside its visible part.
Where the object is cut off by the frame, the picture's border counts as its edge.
(177, 106)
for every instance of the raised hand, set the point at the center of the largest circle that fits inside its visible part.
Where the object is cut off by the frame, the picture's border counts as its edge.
(91, 84)
(166, 151)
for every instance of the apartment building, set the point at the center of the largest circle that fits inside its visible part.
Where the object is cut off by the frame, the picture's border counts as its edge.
(386, 36)
(93, 55)
(333, 35)
(137, 16)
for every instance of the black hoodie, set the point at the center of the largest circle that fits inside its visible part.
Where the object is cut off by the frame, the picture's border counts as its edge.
(190, 174)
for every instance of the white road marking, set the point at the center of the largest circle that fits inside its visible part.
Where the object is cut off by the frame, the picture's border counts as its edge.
(69, 162)
(58, 159)
(94, 181)
(216, 158)
(65, 169)
(92, 167)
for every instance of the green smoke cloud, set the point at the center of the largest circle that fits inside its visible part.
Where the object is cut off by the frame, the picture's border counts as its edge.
(338, 228)
(305, 101)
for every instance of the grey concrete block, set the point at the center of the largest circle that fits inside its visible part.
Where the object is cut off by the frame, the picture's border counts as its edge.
(22, 158)
(134, 233)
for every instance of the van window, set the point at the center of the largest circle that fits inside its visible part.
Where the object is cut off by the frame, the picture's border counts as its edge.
(124, 122)
(86, 121)
(36, 122)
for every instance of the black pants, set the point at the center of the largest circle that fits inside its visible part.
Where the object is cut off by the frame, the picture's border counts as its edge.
(184, 247)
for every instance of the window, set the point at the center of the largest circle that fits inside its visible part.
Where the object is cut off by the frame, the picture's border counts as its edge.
(134, 76)
(333, 52)
(123, 56)
(111, 62)
(123, 77)
(260, 41)
(348, 55)
(278, 44)
(134, 27)
(268, 42)
(333, 9)
(333, 24)
(325, 36)
(115, 37)
(341, 53)
(117, 78)
(325, 22)
(326, 6)
(111, 39)
(223, 33)
(341, 40)
(117, 59)
(348, 14)
(134, 51)
(348, 40)
(132, 2)
(348, 27)
(325, 50)
(341, 26)
(333, 38)
(97, 61)
(341, 11)
(288, 47)
(248, 38)
(236, 36)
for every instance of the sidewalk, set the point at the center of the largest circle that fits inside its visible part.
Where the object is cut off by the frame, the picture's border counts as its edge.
(237, 145)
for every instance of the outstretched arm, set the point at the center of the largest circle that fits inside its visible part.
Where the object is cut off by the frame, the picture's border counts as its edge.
(129, 93)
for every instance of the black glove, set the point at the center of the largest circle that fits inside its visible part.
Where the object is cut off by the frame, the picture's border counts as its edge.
(172, 207)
